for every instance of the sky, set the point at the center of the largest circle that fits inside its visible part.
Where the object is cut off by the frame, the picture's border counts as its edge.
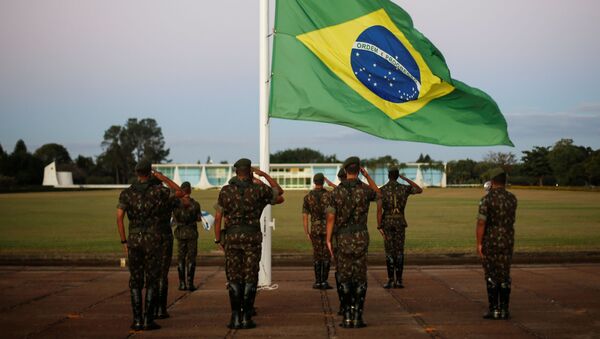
(70, 69)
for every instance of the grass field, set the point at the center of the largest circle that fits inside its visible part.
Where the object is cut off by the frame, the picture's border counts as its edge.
(440, 221)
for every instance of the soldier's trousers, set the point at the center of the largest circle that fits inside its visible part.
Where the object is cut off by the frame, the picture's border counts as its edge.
(144, 261)
(166, 254)
(351, 256)
(496, 267)
(394, 239)
(242, 256)
(187, 249)
(319, 244)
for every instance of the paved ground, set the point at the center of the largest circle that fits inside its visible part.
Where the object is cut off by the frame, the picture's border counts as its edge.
(555, 301)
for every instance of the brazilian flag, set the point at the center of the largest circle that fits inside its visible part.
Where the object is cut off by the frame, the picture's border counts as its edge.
(362, 64)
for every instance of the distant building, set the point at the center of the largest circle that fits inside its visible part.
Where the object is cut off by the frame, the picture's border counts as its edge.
(292, 176)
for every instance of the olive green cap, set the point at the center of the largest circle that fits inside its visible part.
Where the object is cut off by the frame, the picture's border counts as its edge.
(341, 173)
(351, 161)
(242, 163)
(496, 172)
(186, 185)
(319, 177)
(143, 165)
(393, 169)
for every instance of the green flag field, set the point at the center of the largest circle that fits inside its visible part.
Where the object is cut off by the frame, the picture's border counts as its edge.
(441, 221)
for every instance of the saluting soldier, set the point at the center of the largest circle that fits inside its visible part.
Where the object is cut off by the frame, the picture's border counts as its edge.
(314, 206)
(394, 197)
(348, 211)
(495, 242)
(144, 202)
(241, 203)
(185, 216)
(341, 175)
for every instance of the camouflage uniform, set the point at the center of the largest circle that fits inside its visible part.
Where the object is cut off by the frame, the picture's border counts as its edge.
(350, 203)
(143, 203)
(498, 209)
(241, 203)
(315, 203)
(394, 197)
(185, 218)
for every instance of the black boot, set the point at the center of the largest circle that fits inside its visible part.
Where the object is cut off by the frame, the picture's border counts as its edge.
(325, 265)
(347, 305)
(503, 300)
(399, 268)
(191, 272)
(151, 302)
(317, 267)
(389, 263)
(181, 271)
(163, 292)
(235, 300)
(136, 306)
(248, 305)
(339, 292)
(360, 293)
(492, 292)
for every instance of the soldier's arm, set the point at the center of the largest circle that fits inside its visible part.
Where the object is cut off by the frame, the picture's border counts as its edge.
(329, 183)
(479, 233)
(371, 182)
(417, 188)
(270, 180)
(330, 223)
(218, 218)
(121, 228)
(170, 183)
(380, 217)
(305, 223)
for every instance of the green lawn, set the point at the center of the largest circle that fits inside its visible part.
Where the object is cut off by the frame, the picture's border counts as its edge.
(440, 221)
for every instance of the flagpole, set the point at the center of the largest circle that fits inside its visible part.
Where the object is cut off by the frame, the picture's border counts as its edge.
(264, 275)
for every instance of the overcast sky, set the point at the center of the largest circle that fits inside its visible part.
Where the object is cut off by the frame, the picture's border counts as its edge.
(69, 69)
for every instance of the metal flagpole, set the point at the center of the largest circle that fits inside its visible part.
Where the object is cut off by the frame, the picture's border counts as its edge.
(264, 275)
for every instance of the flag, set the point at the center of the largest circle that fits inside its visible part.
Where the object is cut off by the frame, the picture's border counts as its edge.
(362, 64)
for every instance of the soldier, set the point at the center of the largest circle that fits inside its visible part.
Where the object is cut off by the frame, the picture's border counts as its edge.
(185, 217)
(495, 242)
(314, 206)
(394, 197)
(143, 202)
(348, 210)
(241, 202)
(341, 177)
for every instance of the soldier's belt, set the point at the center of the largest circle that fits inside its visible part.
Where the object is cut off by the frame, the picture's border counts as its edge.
(243, 229)
(352, 228)
(393, 216)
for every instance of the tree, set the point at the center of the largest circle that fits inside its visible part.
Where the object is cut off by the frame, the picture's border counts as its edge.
(126, 145)
(381, 162)
(53, 152)
(563, 157)
(504, 160)
(301, 155)
(3, 159)
(536, 164)
(424, 159)
(462, 172)
(23, 166)
(592, 168)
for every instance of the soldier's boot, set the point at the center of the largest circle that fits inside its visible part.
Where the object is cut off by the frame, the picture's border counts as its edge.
(317, 267)
(151, 302)
(339, 292)
(503, 300)
(360, 293)
(181, 271)
(191, 272)
(492, 292)
(163, 293)
(136, 306)
(235, 300)
(325, 266)
(347, 305)
(389, 263)
(399, 268)
(248, 305)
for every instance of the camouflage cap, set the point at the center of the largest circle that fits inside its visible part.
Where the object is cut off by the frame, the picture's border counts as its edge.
(494, 172)
(186, 185)
(341, 173)
(351, 161)
(242, 163)
(143, 165)
(319, 177)
(393, 169)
